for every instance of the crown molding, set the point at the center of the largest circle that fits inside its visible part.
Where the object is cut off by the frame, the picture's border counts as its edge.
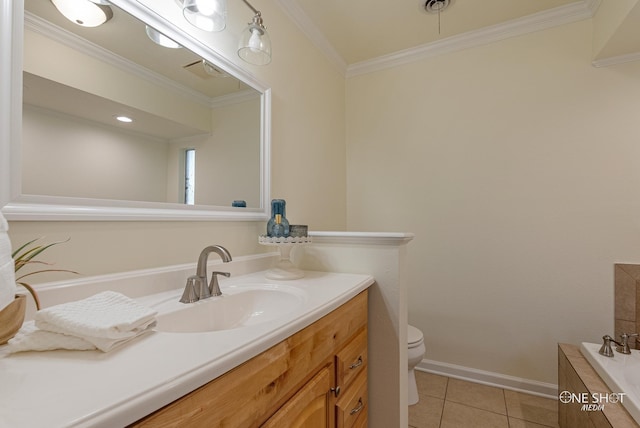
(615, 60)
(572, 12)
(306, 25)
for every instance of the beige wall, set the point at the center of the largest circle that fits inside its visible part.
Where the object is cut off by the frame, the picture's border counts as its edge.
(516, 166)
(308, 162)
(122, 165)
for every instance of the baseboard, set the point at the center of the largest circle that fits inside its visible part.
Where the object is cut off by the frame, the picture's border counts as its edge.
(546, 390)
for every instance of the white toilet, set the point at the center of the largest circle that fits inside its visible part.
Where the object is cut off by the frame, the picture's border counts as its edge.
(415, 352)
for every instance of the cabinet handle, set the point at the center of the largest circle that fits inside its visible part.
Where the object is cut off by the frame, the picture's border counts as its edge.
(336, 390)
(357, 363)
(358, 407)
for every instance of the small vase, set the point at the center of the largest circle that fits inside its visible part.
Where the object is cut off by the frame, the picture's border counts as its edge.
(12, 317)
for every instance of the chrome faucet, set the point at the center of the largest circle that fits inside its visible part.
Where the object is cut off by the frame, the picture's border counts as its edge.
(196, 288)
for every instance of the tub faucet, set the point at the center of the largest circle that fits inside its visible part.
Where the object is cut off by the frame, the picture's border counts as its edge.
(196, 288)
(622, 346)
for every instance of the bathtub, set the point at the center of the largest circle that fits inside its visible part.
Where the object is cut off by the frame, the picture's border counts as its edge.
(621, 373)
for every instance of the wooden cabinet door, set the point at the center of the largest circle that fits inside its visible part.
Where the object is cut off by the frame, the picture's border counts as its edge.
(309, 408)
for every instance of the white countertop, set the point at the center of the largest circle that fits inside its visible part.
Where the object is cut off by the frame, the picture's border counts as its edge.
(91, 388)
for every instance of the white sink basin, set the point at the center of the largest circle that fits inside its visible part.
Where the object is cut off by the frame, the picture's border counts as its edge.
(239, 306)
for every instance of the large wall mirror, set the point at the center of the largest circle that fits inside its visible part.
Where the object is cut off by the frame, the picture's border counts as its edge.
(197, 146)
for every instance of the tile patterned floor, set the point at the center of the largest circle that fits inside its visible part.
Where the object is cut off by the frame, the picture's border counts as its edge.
(452, 403)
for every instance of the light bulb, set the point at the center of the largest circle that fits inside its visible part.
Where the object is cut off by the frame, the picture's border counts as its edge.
(206, 7)
(255, 41)
(208, 15)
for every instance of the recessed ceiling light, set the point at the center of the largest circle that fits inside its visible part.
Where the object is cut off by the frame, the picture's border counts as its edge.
(125, 119)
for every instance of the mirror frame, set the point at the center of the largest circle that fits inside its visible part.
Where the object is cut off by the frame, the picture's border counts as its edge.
(19, 207)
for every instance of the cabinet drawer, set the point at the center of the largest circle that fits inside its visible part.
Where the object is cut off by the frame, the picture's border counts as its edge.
(351, 360)
(351, 409)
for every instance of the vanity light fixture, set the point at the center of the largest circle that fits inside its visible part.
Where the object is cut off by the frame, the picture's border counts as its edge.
(160, 39)
(211, 15)
(84, 12)
(255, 44)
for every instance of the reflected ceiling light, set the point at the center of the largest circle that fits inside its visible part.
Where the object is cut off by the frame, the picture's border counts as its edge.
(124, 119)
(208, 15)
(255, 44)
(84, 12)
(160, 39)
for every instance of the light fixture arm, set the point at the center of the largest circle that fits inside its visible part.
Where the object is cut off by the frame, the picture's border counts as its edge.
(256, 11)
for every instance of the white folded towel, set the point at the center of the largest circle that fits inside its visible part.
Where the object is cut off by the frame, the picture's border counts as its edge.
(31, 338)
(108, 315)
(103, 321)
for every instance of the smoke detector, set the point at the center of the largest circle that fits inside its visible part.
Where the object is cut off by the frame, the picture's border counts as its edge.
(436, 6)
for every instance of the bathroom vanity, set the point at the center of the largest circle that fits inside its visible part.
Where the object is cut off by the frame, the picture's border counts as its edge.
(308, 364)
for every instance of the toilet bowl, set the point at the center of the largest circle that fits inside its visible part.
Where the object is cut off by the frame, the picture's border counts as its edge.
(415, 353)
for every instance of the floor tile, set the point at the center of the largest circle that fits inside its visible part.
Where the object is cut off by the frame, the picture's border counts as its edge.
(431, 384)
(476, 395)
(452, 403)
(426, 413)
(457, 415)
(519, 423)
(532, 408)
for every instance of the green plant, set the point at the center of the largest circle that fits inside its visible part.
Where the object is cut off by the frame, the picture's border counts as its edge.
(25, 255)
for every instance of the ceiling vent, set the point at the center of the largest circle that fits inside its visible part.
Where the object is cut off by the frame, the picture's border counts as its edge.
(436, 6)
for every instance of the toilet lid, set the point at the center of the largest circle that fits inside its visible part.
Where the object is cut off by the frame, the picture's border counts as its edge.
(413, 335)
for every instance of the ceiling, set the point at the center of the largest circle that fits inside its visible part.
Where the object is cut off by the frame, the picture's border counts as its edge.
(361, 30)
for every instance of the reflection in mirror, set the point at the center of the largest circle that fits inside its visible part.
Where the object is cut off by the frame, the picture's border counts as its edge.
(188, 116)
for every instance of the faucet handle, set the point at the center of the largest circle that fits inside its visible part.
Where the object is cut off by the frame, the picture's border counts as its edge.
(214, 287)
(190, 295)
(605, 349)
(623, 346)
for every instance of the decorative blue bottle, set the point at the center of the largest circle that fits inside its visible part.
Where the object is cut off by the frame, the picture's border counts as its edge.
(278, 225)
